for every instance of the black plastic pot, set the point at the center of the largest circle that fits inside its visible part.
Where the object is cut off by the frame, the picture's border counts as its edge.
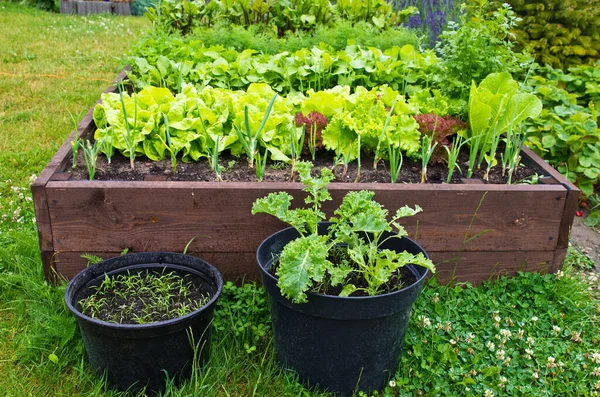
(134, 356)
(342, 344)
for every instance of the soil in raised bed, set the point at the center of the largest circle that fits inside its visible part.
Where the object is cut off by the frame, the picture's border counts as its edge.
(235, 169)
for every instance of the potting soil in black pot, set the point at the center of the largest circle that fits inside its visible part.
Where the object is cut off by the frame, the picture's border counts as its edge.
(341, 344)
(134, 356)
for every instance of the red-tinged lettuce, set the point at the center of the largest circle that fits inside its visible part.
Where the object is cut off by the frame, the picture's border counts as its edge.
(439, 128)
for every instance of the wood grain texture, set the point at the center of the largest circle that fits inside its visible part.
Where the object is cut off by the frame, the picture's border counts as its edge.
(474, 267)
(234, 266)
(166, 215)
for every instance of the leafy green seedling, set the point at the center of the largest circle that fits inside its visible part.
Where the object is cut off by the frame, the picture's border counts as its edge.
(313, 262)
(142, 298)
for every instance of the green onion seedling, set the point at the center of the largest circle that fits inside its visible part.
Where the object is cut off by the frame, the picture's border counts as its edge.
(261, 165)
(426, 152)
(383, 136)
(453, 153)
(248, 139)
(169, 145)
(129, 130)
(75, 142)
(213, 157)
(90, 155)
(296, 147)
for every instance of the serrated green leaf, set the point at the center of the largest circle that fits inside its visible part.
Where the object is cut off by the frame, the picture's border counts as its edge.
(303, 261)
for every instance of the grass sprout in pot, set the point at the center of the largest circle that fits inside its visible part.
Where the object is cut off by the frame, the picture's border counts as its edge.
(341, 291)
(145, 317)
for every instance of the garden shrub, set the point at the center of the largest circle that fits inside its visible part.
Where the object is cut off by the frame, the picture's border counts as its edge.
(566, 133)
(561, 33)
(479, 46)
(281, 16)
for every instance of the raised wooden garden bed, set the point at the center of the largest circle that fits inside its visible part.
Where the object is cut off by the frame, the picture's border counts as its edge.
(521, 227)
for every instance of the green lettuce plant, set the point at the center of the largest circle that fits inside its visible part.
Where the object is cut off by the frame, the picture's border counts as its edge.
(496, 106)
(349, 251)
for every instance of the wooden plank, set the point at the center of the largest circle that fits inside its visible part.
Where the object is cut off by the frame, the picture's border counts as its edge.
(474, 267)
(50, 272)
(571, 202)
(234, 266)
(568, 214)
(112, 216)
(559, 260)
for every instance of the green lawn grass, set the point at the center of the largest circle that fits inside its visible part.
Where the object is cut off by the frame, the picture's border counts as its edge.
(545, 330)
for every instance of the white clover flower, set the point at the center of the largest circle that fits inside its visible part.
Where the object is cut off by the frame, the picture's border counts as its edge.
(469, 337)
(488, 393)
(448, 326)
(392, 383)
(503, 381)
(506, 333)
(452, 342)
(520, 334)
(534, 319)
(436, 297)
(497, 318)
(506, 362)
(556, 330)
(536, 375)
(423, 321)
(596, 357)
(500, 354)
(530, 341)
(529, 354)
(551, 363)
(559, 274)
(490, 345)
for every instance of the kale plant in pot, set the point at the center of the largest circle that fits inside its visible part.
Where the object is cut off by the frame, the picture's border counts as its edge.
(341, 291)
(145, 316)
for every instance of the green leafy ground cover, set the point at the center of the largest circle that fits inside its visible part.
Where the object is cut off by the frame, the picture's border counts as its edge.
(52, 65)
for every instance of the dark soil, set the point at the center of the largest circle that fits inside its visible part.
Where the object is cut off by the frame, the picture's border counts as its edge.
(235, 169)
(119, 304)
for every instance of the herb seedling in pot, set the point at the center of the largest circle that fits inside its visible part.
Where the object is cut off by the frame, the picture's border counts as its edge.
(348, 259)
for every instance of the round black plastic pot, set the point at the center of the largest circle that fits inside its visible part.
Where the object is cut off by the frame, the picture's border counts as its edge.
(341, 344)
(134, 356)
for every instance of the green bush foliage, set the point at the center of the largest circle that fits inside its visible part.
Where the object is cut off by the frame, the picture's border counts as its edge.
(280, 16)
(566, 133)
(481, 44)
(561, 33)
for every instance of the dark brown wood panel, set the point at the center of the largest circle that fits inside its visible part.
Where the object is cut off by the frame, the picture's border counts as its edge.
(234, 266)
(165, 216)
(476, 267)
(473, 267)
